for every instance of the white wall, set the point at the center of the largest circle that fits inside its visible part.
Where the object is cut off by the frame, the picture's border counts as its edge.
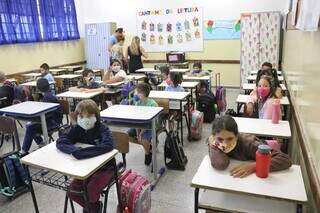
(123, 12)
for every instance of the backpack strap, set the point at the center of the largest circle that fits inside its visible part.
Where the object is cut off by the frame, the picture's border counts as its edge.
(20, 169)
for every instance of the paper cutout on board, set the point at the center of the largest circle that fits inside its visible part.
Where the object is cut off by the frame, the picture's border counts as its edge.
(152, 39)
(143, 37)
(188, 36)
(186, 25)
(160, 27)
(178, 26)
(195, 22)
(197, 33)
(170, 39)
(160, 40)
(221, 29)
(169, 27)
(179, 38)
(144, 25)
(151, 26)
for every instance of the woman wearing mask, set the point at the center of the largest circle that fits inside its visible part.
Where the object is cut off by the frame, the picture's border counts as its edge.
(114, 73)
(134, 52)
(117, 51)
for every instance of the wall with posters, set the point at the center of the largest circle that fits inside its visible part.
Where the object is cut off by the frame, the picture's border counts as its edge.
(170, 29)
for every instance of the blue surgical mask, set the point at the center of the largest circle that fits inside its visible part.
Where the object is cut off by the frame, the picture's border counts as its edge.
(136, 98)
(86, 123)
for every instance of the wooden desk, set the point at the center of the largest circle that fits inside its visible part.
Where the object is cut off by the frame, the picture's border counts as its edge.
(31, 109)
(131, 116)
(175, 96)
(286, 185)
(263, 127)
(50, 158)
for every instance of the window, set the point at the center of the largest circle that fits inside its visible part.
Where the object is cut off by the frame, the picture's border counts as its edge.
(23, 21)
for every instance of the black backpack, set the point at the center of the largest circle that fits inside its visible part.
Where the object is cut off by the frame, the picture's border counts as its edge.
(207, 103)
(174, 156)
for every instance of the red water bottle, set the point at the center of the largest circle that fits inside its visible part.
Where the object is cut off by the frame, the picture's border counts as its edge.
(276, 111)
(126, 210)
(263, 160)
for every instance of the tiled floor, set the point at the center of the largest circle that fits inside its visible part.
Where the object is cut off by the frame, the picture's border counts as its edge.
(173, 193)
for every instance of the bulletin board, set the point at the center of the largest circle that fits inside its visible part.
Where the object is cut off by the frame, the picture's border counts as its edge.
(178, 29)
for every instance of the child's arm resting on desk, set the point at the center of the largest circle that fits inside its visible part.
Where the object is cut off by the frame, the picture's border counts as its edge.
(105, 145)
(219, 160)
(66, 141)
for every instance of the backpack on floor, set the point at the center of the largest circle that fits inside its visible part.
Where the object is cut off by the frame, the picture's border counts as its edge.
(12, 175)
(220, 95)
(174, 157)
(196, 124)
(135, 192)
(207, 104)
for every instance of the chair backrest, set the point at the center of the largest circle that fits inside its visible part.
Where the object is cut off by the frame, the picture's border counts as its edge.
(65, 108)
(163, 102)
(59, 85)
(121, 141)
(8, 127)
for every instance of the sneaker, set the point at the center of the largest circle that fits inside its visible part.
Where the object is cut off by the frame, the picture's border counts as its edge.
(148, 159)
(42, 144)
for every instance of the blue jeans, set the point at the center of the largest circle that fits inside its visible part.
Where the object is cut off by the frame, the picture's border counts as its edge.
(33, 132)
(147, 135)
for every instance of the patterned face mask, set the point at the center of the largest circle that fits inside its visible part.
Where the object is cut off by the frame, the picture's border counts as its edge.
(226, 147)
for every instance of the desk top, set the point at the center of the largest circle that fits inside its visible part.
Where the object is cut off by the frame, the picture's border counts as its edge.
(80, 71)
(247, 86)
(29, 109)
(116, 84)
(168, 95)
(283, 185)
(12, 80)
(263, 127)
(255, 72)
(244, 98)
(180, 70)
(188, 77)
(71, 67)
(135, 77)
(68, 76)
(50, 158)
(34, 83)
(147, 70)
(129, 113)
(184, 84)
(57, 70)
(33, 74)
(80, 95)
(254, 77)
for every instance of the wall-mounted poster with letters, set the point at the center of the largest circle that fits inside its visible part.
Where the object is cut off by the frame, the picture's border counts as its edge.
(179, 29)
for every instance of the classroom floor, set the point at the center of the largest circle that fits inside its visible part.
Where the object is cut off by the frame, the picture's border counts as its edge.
(172, 194)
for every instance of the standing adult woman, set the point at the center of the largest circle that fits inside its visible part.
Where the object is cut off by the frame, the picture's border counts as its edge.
(134, 52)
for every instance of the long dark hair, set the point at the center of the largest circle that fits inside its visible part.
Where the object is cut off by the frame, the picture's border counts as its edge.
(225, 122)
(175, 78)
(271, 73)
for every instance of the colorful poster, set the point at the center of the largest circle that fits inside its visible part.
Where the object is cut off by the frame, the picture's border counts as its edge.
(221, 29)
(176, 29)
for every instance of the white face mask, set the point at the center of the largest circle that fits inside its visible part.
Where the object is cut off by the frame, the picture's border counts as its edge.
(116, 68)
(86, 123)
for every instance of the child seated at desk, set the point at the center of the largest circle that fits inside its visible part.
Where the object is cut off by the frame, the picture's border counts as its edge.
(197, 69)
(53, 119)
(165, 71)
(88, 130)
(44, 69)
(88, 83)
(176, 81)
(262, 103)
(6, 91)
(266, 66)
(226, 142)
(143, 136)
(114, 73)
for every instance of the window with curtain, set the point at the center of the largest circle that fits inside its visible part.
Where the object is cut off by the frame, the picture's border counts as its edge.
(23, 21)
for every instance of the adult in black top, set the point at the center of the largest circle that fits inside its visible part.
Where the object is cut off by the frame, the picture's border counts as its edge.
(135, 52)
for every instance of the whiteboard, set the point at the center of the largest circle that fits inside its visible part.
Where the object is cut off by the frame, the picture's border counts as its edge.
(178, 29)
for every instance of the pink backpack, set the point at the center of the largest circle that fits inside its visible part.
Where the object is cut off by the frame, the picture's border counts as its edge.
(135, 192)
(196, 124)
(220, 95)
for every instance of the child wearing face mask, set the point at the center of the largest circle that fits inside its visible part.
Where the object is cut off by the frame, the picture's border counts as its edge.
(226, 142)
(53, 119)
(264, 100)
(175, 85)
(139, 135)
(88, 130)
(114, 73)
(197, 69)
(165, 72)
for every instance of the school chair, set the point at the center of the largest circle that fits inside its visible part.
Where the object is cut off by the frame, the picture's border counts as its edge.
(121, 143)
(8, 129)
(164, 116)
(59, 86)
(65, 112)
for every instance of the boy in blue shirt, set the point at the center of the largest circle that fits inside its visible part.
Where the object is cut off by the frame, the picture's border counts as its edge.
(53, 119)
(44, 69)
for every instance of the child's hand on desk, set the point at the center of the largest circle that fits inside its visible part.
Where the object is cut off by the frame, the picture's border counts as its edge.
(249, 109)
(243, 170)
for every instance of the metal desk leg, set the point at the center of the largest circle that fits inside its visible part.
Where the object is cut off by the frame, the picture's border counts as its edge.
(196, 200)
(65, 204)
(299, 208)
(156, 174)
(189, 119)
(117, 183)
(85, 195)
(44, 128)
(35, 204)
(238, 107)
(181, 122)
